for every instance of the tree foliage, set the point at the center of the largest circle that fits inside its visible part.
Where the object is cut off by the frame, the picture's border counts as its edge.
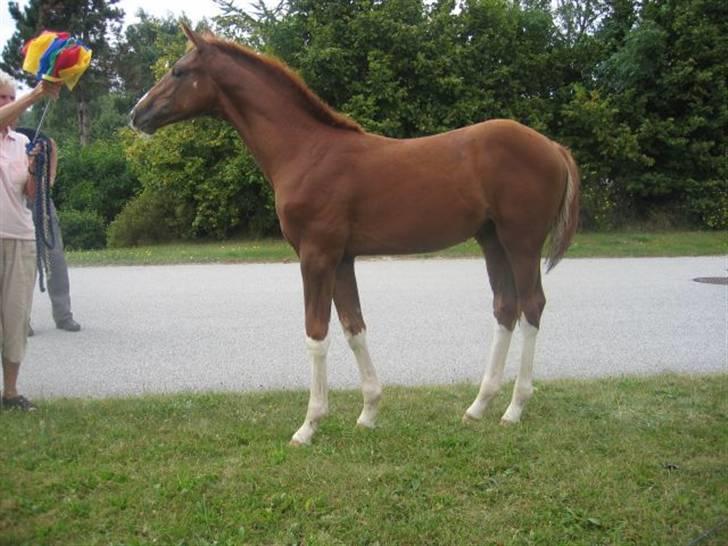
(637, 89)
(207, 181)
(96, 178)
(95, 22)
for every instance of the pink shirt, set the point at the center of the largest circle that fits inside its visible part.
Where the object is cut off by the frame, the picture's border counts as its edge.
(16, 220)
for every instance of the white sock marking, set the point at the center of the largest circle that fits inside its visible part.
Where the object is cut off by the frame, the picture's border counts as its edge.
(493, 372)
(370, 387)
(318, 402)
(523, 389)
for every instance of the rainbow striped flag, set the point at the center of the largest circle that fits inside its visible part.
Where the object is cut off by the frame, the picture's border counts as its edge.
(56, 57)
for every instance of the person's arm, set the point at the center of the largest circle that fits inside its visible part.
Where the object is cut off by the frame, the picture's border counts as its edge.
(30, 187)
(12, 111)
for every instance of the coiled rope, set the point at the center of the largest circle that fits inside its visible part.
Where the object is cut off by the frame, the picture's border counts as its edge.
(45, 238)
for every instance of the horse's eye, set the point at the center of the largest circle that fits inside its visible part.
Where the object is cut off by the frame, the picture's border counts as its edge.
(176, 72)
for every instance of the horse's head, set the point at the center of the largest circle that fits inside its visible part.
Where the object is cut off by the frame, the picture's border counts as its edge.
(184, 92)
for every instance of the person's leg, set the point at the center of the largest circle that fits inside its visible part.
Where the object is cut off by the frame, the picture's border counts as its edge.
(10, 379)
(58, 283)
(17, 278)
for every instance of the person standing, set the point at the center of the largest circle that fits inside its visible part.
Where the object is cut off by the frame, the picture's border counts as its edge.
(17, 237)
(59, 289)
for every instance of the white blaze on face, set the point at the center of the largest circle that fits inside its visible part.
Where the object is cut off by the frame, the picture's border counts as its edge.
(140, 101)
(133, 110)
(194, 84)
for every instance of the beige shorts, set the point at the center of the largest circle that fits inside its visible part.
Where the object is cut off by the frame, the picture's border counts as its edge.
(17, 279)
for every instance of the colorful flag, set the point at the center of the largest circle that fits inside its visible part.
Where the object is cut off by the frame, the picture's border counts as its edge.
(56, 57)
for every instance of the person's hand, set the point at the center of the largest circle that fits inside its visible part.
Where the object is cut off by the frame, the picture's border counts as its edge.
(32, 155)
(48, 89)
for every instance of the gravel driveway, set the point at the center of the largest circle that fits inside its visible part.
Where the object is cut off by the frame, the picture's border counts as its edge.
(240, 327)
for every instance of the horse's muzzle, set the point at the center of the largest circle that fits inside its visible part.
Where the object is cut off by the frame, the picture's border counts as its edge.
(139, 123)
(139, 118)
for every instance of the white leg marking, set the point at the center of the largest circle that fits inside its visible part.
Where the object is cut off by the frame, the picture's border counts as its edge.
(370, 387)
(318, 402)
(523, 388)
(493, 373)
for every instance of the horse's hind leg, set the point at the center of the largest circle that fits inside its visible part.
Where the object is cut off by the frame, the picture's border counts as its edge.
(346, 299)
(505, 309)
(525, 262)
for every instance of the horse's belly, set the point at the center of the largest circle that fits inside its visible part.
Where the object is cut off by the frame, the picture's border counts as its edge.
(412, 231)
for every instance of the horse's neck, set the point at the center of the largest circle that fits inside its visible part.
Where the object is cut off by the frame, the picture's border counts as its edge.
(271, 120)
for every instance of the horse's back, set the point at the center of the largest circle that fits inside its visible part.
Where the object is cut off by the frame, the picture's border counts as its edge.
(422, 194)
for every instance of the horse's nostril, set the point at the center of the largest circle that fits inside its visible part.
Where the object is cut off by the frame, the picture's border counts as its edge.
(135, 123)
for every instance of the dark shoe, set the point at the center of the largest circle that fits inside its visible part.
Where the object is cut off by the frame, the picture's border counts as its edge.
(69, 325)
(31, 332)
(20, 403)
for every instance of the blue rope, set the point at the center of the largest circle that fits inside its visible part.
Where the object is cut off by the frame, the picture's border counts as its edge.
(45, 238)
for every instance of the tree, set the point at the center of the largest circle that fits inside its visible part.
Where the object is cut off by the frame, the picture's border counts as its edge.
(637, 89)
(137, 52)
(579, 19)
(92, 21)
(668, 80)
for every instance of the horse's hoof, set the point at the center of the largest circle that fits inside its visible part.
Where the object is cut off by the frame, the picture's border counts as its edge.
(298, 443)
(366, 422)
(365, 426)
(469, 419)
(508, 423)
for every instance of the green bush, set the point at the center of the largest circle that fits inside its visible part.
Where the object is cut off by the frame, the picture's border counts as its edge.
(82, 229)
(95, 177)
(708, 202)
(145, 219)
(598, 209)
(211, 184)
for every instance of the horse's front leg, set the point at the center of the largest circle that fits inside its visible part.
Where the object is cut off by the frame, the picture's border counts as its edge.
(318, 272)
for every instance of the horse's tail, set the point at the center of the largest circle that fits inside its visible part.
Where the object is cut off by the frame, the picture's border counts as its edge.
(568, 218)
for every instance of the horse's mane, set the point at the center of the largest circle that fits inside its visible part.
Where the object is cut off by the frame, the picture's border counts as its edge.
(317, 107)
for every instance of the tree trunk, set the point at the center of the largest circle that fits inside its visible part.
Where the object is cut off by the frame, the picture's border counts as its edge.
(84, 122)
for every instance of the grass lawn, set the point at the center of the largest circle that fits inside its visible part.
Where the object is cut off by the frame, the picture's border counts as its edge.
(585, 245)
(616, 461)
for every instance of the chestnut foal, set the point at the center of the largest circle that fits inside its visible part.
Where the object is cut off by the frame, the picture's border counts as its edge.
(341, 192)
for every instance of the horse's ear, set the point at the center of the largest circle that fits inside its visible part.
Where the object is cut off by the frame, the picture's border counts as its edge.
(196, 40)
